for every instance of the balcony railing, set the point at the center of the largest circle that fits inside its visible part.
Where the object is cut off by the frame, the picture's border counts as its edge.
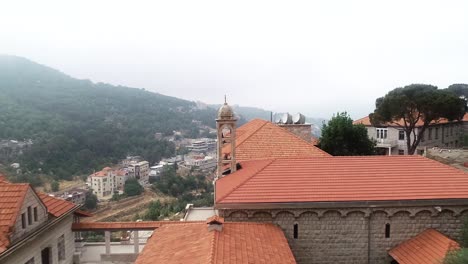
(386, 143)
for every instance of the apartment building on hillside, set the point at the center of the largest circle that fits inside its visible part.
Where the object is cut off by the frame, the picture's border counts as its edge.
(103, 183)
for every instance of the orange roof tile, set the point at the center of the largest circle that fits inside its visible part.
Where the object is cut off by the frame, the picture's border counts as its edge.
(366, 121)
(99, 174)
(429, 247)
(236, 243)
(11, 200)
(3, 177)
(120, 172)
(55, 206)
(260, 139)
(333, 179)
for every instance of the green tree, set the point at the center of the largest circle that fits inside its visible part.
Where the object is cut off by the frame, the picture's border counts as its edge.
(460, 256)
(132, 187)
(90, 201)
(417, 104)
(457, 257)
(460, 89)
(55, 186)
(340, 137)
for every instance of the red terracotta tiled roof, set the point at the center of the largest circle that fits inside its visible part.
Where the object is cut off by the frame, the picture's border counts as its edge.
(55, 206)
(260, 139)
(429, 247)
(99, 174)
(366, 121)
(333, 179)
(83, 213)
(11, 200)
(120, 172)
(3, 177)
(235, 243)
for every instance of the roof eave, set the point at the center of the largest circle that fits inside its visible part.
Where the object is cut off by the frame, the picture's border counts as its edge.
(343, 204)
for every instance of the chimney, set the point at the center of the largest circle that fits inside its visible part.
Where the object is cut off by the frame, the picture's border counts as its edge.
(215, 223)
(303, 131)
(296, 125)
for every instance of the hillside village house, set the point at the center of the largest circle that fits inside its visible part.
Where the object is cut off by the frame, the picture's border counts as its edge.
(140, 171)
(391, 139)
(108, 181)
(103, 183)
(34, 227)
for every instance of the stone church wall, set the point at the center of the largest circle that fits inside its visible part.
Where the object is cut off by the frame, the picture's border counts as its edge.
(345, 236)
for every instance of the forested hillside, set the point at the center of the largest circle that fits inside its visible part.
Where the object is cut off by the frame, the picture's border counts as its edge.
(77, 125)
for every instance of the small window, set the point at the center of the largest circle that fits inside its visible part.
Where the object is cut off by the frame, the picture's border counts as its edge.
(387, 230)
(401, 135)
(35, 214)
(429, 137)
(401, 152)
(382, 133)
(29, 215)
(23, 220)
(422, 136)
(296, 231)
(61, 247)
(437, 133)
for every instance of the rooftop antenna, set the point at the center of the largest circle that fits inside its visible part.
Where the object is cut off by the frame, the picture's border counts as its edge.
(225, 100)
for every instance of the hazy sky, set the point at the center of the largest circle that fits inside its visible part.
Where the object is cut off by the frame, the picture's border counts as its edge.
(317, 57)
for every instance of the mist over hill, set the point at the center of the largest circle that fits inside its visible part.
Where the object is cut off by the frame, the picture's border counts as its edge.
(77, 125)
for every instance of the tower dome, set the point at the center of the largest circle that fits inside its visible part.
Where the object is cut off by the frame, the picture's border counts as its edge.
(225, 112)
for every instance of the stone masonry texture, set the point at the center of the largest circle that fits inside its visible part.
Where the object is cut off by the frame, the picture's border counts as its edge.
(353, 235)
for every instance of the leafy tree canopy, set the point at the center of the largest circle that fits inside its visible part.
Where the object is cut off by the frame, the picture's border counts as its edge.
(90, 201)
(417, 103)
(132, 187)
(340, 137)
(459, 89)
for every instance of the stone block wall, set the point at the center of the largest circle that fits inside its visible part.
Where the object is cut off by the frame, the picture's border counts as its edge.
(345, 236)
(33, 201)
(303, 131)
(47, 238)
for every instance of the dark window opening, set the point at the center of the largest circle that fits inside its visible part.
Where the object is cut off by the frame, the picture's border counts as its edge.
(61, 247)
(296, 231)
(401, 152)
(401, 135)
(29, 215)
(387, 230)
(46, 256)
(35, 214)
(23, 220)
